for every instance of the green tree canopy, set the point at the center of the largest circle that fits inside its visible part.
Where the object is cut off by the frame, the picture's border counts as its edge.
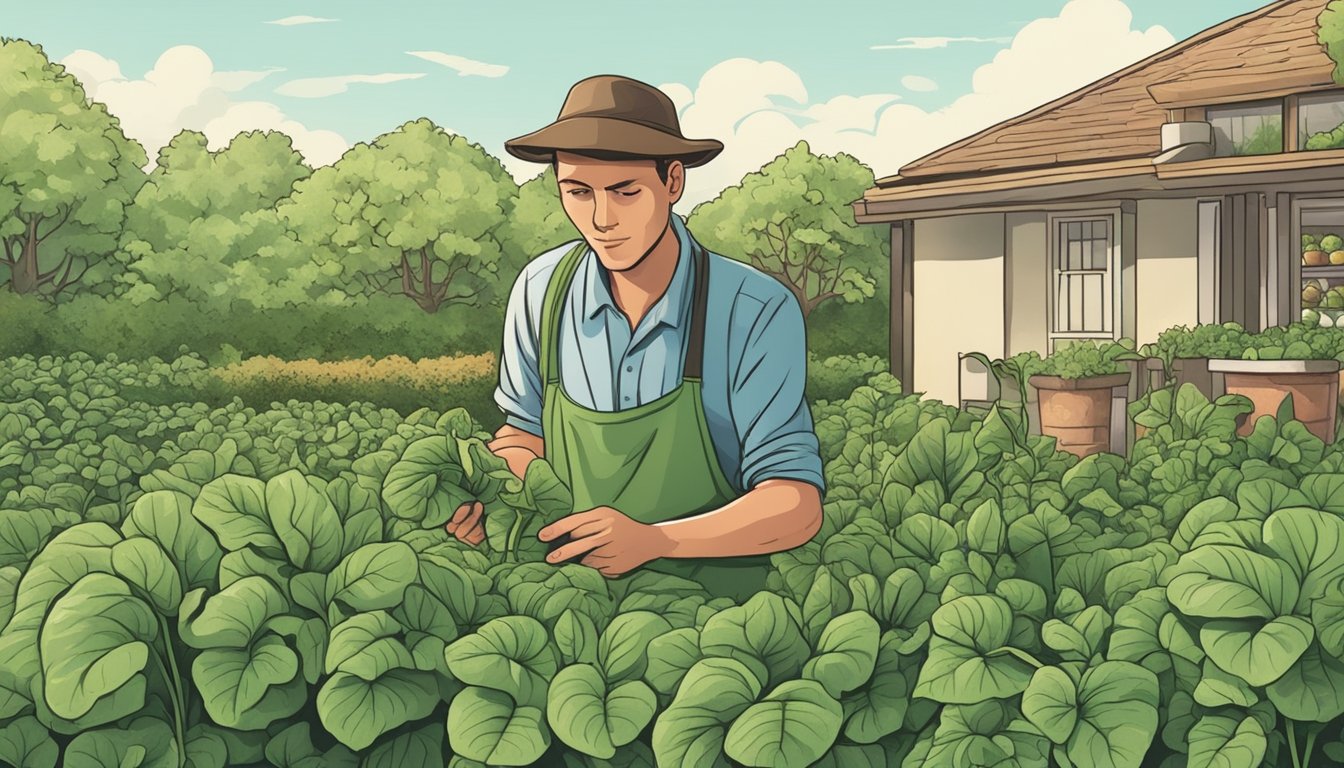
(538, 224)
(67, 173)
(1331, 34)
(419, 213)
(792, 219)
(205, 225)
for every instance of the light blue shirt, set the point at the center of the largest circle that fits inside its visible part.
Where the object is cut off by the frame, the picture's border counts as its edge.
(755, 365)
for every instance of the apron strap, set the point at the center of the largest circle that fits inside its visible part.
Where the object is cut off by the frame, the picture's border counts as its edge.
(695, 350)
(551, 306)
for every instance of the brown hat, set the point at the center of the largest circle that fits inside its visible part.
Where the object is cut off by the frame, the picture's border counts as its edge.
(609, 113)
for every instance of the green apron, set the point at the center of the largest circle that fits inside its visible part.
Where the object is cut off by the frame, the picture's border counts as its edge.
(654, 462)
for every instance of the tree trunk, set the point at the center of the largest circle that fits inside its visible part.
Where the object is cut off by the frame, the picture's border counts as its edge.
(425, 296)
(23, 275)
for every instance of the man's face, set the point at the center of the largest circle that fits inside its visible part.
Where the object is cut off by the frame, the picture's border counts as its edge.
(621, 207)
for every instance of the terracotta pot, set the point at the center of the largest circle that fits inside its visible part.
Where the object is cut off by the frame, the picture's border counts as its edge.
(1314, 385)
(1077, 412)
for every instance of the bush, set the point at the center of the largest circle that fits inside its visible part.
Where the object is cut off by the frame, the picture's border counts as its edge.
(836, 377)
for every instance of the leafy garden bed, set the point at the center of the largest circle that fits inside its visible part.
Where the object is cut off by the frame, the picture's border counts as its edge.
(187, 586)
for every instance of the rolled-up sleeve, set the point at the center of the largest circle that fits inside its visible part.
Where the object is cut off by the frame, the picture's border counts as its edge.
(519, 392)
(767, 380)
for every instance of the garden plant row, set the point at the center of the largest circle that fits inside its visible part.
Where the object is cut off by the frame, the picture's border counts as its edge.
(187, 586)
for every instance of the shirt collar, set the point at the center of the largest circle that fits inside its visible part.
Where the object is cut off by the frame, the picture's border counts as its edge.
(670, 308)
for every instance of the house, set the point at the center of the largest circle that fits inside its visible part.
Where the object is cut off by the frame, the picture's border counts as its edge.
(1174, 192)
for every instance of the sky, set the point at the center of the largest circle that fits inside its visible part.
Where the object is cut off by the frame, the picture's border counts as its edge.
(887, 81)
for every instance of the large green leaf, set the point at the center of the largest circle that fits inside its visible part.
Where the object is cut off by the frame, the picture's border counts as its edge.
(1224, 582)
(487, 726)
(423, 748)
(373, 577)
(1050, 702)
(587, 716)
(845, 654)
(234, 508)
(1257, 652)
(97, 638)
(144, 565)
(966, 664)
(249, 688)
(878, 708)
(763, 634)
(1217, 688)
(792, 727)
(621, 650)
(512, 654)
(367, 645)
(1218, 741)
(670, 656)
(24, 741)
(1117, 716)
(147, 743)
(304, 520)
(576, 637)
(231, 617)
(1312, 689)
(691, 730)
(166, 517)
(1312, 542)
(357, 712)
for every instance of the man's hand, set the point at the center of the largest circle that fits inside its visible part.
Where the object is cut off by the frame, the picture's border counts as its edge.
(468, 523)
(607, 540)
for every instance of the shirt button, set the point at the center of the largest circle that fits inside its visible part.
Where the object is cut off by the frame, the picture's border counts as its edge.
(629, 368)
(627, 398)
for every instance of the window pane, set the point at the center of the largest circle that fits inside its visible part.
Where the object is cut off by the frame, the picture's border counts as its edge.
(1093, 316)
(1061, 304)
(1320, 121)
(1075, 255)
(1255, 129)
(1076, 294)
(1098, 255)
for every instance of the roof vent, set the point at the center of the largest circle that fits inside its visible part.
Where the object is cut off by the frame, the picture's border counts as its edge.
(1191, 140)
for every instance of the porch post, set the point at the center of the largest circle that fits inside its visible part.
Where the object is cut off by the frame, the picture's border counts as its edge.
(902, 331)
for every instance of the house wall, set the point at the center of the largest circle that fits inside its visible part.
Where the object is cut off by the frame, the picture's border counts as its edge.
(958, 297)
(1168, 266)
(1027, 283)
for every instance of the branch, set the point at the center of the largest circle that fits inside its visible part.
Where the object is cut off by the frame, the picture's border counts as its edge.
(11, 243)
(61, 223)
(66, 281)
(407, 285)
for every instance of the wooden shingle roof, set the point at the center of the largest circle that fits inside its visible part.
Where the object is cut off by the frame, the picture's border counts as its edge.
(1272, 51)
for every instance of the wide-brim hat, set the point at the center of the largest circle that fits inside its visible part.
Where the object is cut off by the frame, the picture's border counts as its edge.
(609, 114)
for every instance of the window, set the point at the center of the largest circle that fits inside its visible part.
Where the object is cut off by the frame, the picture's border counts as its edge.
(1082, 279)
(1247, 129)
(1320, 121)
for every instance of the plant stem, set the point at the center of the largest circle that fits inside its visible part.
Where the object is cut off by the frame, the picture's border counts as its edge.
(174, 680)
(1292, 744)
(515, 531)
(1311, 744)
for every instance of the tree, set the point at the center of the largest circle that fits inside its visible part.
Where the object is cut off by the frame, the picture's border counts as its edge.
(417, 213)
(538, 224)
(67, 173)
(205, 225)
(1330, 33)
(792, 220)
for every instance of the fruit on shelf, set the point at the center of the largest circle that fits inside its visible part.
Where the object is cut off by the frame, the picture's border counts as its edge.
(1311, 295)
(1337, 258)
(1309, 243)
(1315, 259)
(1331, 243)
(1334, 301)
(1312, 317)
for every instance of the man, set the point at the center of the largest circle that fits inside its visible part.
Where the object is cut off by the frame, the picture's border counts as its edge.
(663, 382)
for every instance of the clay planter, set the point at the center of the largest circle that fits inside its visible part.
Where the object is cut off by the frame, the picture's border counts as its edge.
(1077, 412)
(1314, 385)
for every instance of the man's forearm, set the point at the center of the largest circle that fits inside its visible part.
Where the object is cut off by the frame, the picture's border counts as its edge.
(774, 516)
(517, 447)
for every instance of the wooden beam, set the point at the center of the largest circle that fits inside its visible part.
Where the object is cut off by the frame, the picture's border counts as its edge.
(902, 331)
(1287, 254)
(1290, 113)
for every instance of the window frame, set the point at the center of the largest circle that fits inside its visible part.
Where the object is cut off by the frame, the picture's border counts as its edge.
(1281, 104)
(1303, 101)
(1111, 283)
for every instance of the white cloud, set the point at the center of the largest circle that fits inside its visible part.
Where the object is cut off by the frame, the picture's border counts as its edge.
(183, 91)
(318, 87)
(290, 21)
(462, 64)
(930, 43)
(759, 109)
(918, 84)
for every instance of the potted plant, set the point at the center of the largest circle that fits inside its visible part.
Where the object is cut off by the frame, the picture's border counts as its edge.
(1299, 360)
(1181, 355)
(1074, 392)
(1074, 389)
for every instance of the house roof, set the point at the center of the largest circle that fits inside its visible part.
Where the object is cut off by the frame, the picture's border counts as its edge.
(1269, 52)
